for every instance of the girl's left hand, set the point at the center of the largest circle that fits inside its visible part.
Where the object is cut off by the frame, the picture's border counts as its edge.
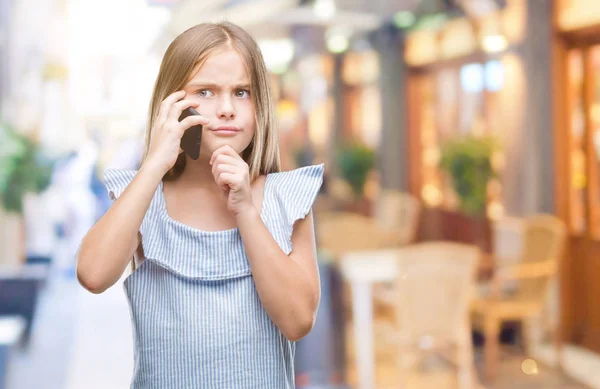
(232, 175)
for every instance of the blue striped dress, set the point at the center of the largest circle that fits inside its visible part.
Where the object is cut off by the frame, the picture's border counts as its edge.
(197, 319)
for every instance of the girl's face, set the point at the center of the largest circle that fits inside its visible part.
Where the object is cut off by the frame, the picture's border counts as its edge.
(222, 89)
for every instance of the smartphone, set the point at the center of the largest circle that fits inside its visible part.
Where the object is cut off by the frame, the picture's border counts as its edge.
(190, 141)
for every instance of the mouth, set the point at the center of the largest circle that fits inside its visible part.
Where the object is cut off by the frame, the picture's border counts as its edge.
(226, 130)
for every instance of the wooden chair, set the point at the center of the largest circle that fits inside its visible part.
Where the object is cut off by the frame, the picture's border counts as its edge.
(544, 238)
(507, 235)
(431, 299)
(340, 232)
(398, 211)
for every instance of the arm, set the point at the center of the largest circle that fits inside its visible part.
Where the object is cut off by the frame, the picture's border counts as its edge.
(525, 270)
(521, 271)
(111, 242)
(288, 286)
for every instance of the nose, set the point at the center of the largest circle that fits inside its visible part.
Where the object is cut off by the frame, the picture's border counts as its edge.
(226, 110)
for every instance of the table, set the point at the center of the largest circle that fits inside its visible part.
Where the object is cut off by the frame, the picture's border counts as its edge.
(20, 287)
(11, 329)
(363, 269)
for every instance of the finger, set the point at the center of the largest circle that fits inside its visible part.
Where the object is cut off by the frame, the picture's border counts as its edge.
(165, 106)
(193, 121)
(224, 158)
(223, 168)
(226, 179)
(178, 107)
(224, 150)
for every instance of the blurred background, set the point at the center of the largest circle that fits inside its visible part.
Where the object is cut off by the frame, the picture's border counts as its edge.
(458, 227)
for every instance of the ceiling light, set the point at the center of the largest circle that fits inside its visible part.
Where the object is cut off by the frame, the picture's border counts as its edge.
(494, 43)
(277, 54)
(324, 9)
(337, 44)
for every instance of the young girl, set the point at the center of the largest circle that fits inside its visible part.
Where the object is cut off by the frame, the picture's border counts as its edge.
(225, 277)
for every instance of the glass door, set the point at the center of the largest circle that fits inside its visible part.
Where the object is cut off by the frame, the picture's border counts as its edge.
(593, 138)
(577, 135)
(584, 140)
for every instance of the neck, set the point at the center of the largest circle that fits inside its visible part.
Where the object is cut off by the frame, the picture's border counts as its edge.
(198, 173)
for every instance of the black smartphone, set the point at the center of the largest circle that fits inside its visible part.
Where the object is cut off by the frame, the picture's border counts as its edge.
(190, 141)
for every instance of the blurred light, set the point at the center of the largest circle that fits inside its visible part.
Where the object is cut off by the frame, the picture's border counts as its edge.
(529, 367)
(337, 43)
(498, 161)
(337, 39)
(89, 36)
(324, 9)
(287, 113)
(431, 156)
(471, 78)
(595, 112)
(495, 210)
(431, 195)
(404, 19)
(277, 54)
(494, 43)
(494, 76)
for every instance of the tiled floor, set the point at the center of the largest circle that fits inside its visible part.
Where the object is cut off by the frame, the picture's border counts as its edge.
(436, 373)
(45, 363)
(511, 376)
(83, 341)
(443, 377)
(80, 341)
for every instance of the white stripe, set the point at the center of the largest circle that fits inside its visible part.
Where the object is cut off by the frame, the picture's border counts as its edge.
(197, 319)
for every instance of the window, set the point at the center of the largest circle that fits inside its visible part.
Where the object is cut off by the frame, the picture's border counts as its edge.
(452, 101)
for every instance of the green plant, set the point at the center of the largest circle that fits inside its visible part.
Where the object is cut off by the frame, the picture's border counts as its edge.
(302, 155)
(468, 162)
(23, 168)
(355, 161)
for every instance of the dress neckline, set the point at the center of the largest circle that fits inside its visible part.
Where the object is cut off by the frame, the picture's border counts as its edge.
(165, 214)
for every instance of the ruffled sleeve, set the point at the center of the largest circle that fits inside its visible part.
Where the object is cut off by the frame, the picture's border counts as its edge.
(116, 180)
(292, 196)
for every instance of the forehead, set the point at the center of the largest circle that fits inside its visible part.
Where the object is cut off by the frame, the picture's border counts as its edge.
(222, 67)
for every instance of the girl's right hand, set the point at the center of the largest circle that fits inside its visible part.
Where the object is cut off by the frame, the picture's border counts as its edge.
(165, 135)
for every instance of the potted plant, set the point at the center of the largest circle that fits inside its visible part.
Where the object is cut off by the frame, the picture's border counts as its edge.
(467, 160)
(23, 169)
(355, 161)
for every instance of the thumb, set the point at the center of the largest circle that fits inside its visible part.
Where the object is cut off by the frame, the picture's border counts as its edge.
(225, 189)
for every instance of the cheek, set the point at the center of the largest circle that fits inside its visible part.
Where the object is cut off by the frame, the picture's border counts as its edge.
(206, 107)
(247, 111)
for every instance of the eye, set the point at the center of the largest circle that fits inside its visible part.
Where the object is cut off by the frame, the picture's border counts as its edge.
(242, 93)
(205, 93)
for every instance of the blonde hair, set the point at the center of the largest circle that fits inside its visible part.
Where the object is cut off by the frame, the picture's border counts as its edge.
(188, 52)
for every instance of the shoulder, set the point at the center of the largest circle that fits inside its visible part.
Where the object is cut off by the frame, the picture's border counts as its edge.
(295, 190)
(299, 175)
(116, 180)
(290, 195)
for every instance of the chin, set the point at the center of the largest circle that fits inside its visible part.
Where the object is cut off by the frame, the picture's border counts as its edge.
(235, 144)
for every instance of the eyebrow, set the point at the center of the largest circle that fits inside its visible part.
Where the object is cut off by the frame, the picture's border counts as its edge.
(215, 86)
